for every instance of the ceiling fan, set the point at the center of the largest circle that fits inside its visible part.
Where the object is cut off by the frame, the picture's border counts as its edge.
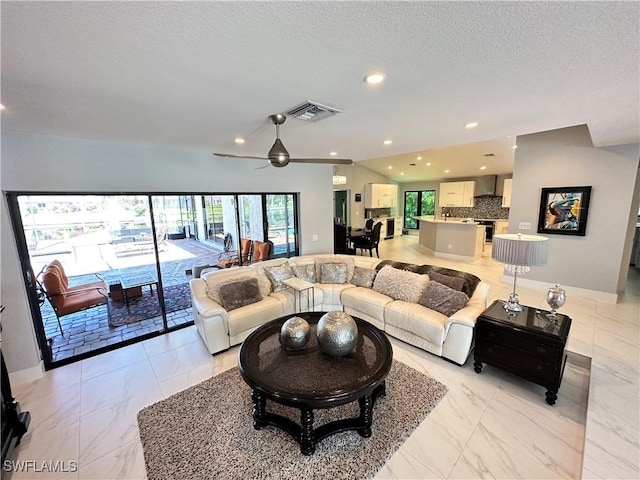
(278, 156)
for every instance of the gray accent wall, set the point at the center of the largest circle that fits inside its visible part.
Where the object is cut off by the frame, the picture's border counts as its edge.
(563, 158)
(61, 164)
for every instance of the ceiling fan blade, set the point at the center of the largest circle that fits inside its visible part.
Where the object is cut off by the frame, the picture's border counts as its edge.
(331, 161)
(228, 155)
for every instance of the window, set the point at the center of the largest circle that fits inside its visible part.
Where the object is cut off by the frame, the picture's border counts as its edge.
(417, 204)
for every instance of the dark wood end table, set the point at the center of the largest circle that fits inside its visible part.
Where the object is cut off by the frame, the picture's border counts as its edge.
(308, 379)
(526, 344)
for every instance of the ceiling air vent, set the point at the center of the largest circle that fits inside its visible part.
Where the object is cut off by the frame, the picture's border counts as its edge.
(311, 111)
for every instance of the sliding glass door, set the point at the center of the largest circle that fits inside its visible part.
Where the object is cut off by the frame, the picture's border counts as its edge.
(136, 253)
(416, 204)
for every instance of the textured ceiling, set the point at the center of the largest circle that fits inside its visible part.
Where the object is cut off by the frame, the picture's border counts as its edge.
(198, 74)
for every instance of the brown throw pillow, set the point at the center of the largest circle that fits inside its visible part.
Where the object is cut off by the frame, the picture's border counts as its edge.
(452, 282)
(238, 294)
(443, 299)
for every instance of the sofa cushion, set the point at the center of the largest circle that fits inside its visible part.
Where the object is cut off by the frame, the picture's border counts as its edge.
(365, 300)
(417, 320)
(239, 293)
(443, 299)
(363, 277)
(333, 273)
(400, 284)
(452, 282)
(306, 272)
(277, 274)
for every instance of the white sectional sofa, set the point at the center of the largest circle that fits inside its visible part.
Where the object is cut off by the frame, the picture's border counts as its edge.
(390, 302)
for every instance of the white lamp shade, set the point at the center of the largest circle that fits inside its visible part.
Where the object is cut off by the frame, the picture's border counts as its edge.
(518, 249)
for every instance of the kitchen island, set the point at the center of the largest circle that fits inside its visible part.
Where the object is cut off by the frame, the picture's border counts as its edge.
(457, 239)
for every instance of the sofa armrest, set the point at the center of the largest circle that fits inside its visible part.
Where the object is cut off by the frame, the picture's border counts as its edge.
(477, 304)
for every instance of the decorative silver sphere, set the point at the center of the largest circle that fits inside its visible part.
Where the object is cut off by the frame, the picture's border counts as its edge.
(294, 333)
(337, 333)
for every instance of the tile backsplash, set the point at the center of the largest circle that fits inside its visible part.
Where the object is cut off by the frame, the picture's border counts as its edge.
(485, 207)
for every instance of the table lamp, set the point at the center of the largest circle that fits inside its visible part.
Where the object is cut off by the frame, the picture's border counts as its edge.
(518, 252)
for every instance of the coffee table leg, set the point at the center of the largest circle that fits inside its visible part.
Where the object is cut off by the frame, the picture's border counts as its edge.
(259, 406)
(307, 444)
(366, 415)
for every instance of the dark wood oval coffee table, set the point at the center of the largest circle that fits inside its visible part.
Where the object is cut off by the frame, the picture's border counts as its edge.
(308, 379)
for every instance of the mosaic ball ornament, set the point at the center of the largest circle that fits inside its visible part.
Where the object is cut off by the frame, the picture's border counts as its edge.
(294, 333)
(337, 333)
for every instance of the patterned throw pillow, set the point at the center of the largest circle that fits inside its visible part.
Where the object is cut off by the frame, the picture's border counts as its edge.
(278, 274)
(238, 294)
(306, 272)
(333, 273)
(322, 259)
(363, 277)
(443, 299)
(452, 282)
(400, 284)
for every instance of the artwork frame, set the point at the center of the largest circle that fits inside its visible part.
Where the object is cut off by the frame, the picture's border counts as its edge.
(564, 210)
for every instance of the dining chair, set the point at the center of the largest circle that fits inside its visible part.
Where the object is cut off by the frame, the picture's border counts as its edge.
(369, 242)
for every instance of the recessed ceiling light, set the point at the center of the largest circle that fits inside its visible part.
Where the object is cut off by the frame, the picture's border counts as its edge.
(333, 154)
(447, 171)
(239, 140)
(1, 107)
(514, 147)
(389, 167)
(483, 168)
(374, 78)
(471, 125)
(401, 173)
(428, 164)
(418, 158)
(388, 142)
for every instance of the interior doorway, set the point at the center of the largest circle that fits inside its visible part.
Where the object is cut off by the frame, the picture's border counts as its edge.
(341, 207)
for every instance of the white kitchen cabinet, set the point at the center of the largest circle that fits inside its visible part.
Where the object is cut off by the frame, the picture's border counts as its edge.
(506, 192)
(456, 194)
(380, 195)
(501, 226)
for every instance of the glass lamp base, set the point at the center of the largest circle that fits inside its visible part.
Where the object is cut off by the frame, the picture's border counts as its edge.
(512, 306)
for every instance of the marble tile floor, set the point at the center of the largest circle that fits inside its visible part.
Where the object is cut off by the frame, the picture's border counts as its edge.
(489, 425)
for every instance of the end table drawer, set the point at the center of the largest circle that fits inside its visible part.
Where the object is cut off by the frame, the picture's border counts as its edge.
(517, 362)
(520, 343)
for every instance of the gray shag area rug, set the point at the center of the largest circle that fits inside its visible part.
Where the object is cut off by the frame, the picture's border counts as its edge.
(206, 432)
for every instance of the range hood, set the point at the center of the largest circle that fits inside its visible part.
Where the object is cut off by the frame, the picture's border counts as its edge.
(486, 186)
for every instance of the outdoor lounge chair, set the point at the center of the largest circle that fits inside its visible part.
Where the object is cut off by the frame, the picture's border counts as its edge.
(65, 299)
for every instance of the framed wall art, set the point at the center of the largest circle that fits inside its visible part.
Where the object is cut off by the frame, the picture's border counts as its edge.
(564, 210)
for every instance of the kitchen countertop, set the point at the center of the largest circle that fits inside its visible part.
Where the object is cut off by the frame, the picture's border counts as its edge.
(450, 220)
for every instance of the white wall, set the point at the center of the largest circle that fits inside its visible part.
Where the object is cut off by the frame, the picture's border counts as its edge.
(58, 164)
(563, 158)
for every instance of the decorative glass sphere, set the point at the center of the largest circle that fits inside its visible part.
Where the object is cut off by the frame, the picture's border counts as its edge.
(556, 297)
(294, 333)
(337, 333)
